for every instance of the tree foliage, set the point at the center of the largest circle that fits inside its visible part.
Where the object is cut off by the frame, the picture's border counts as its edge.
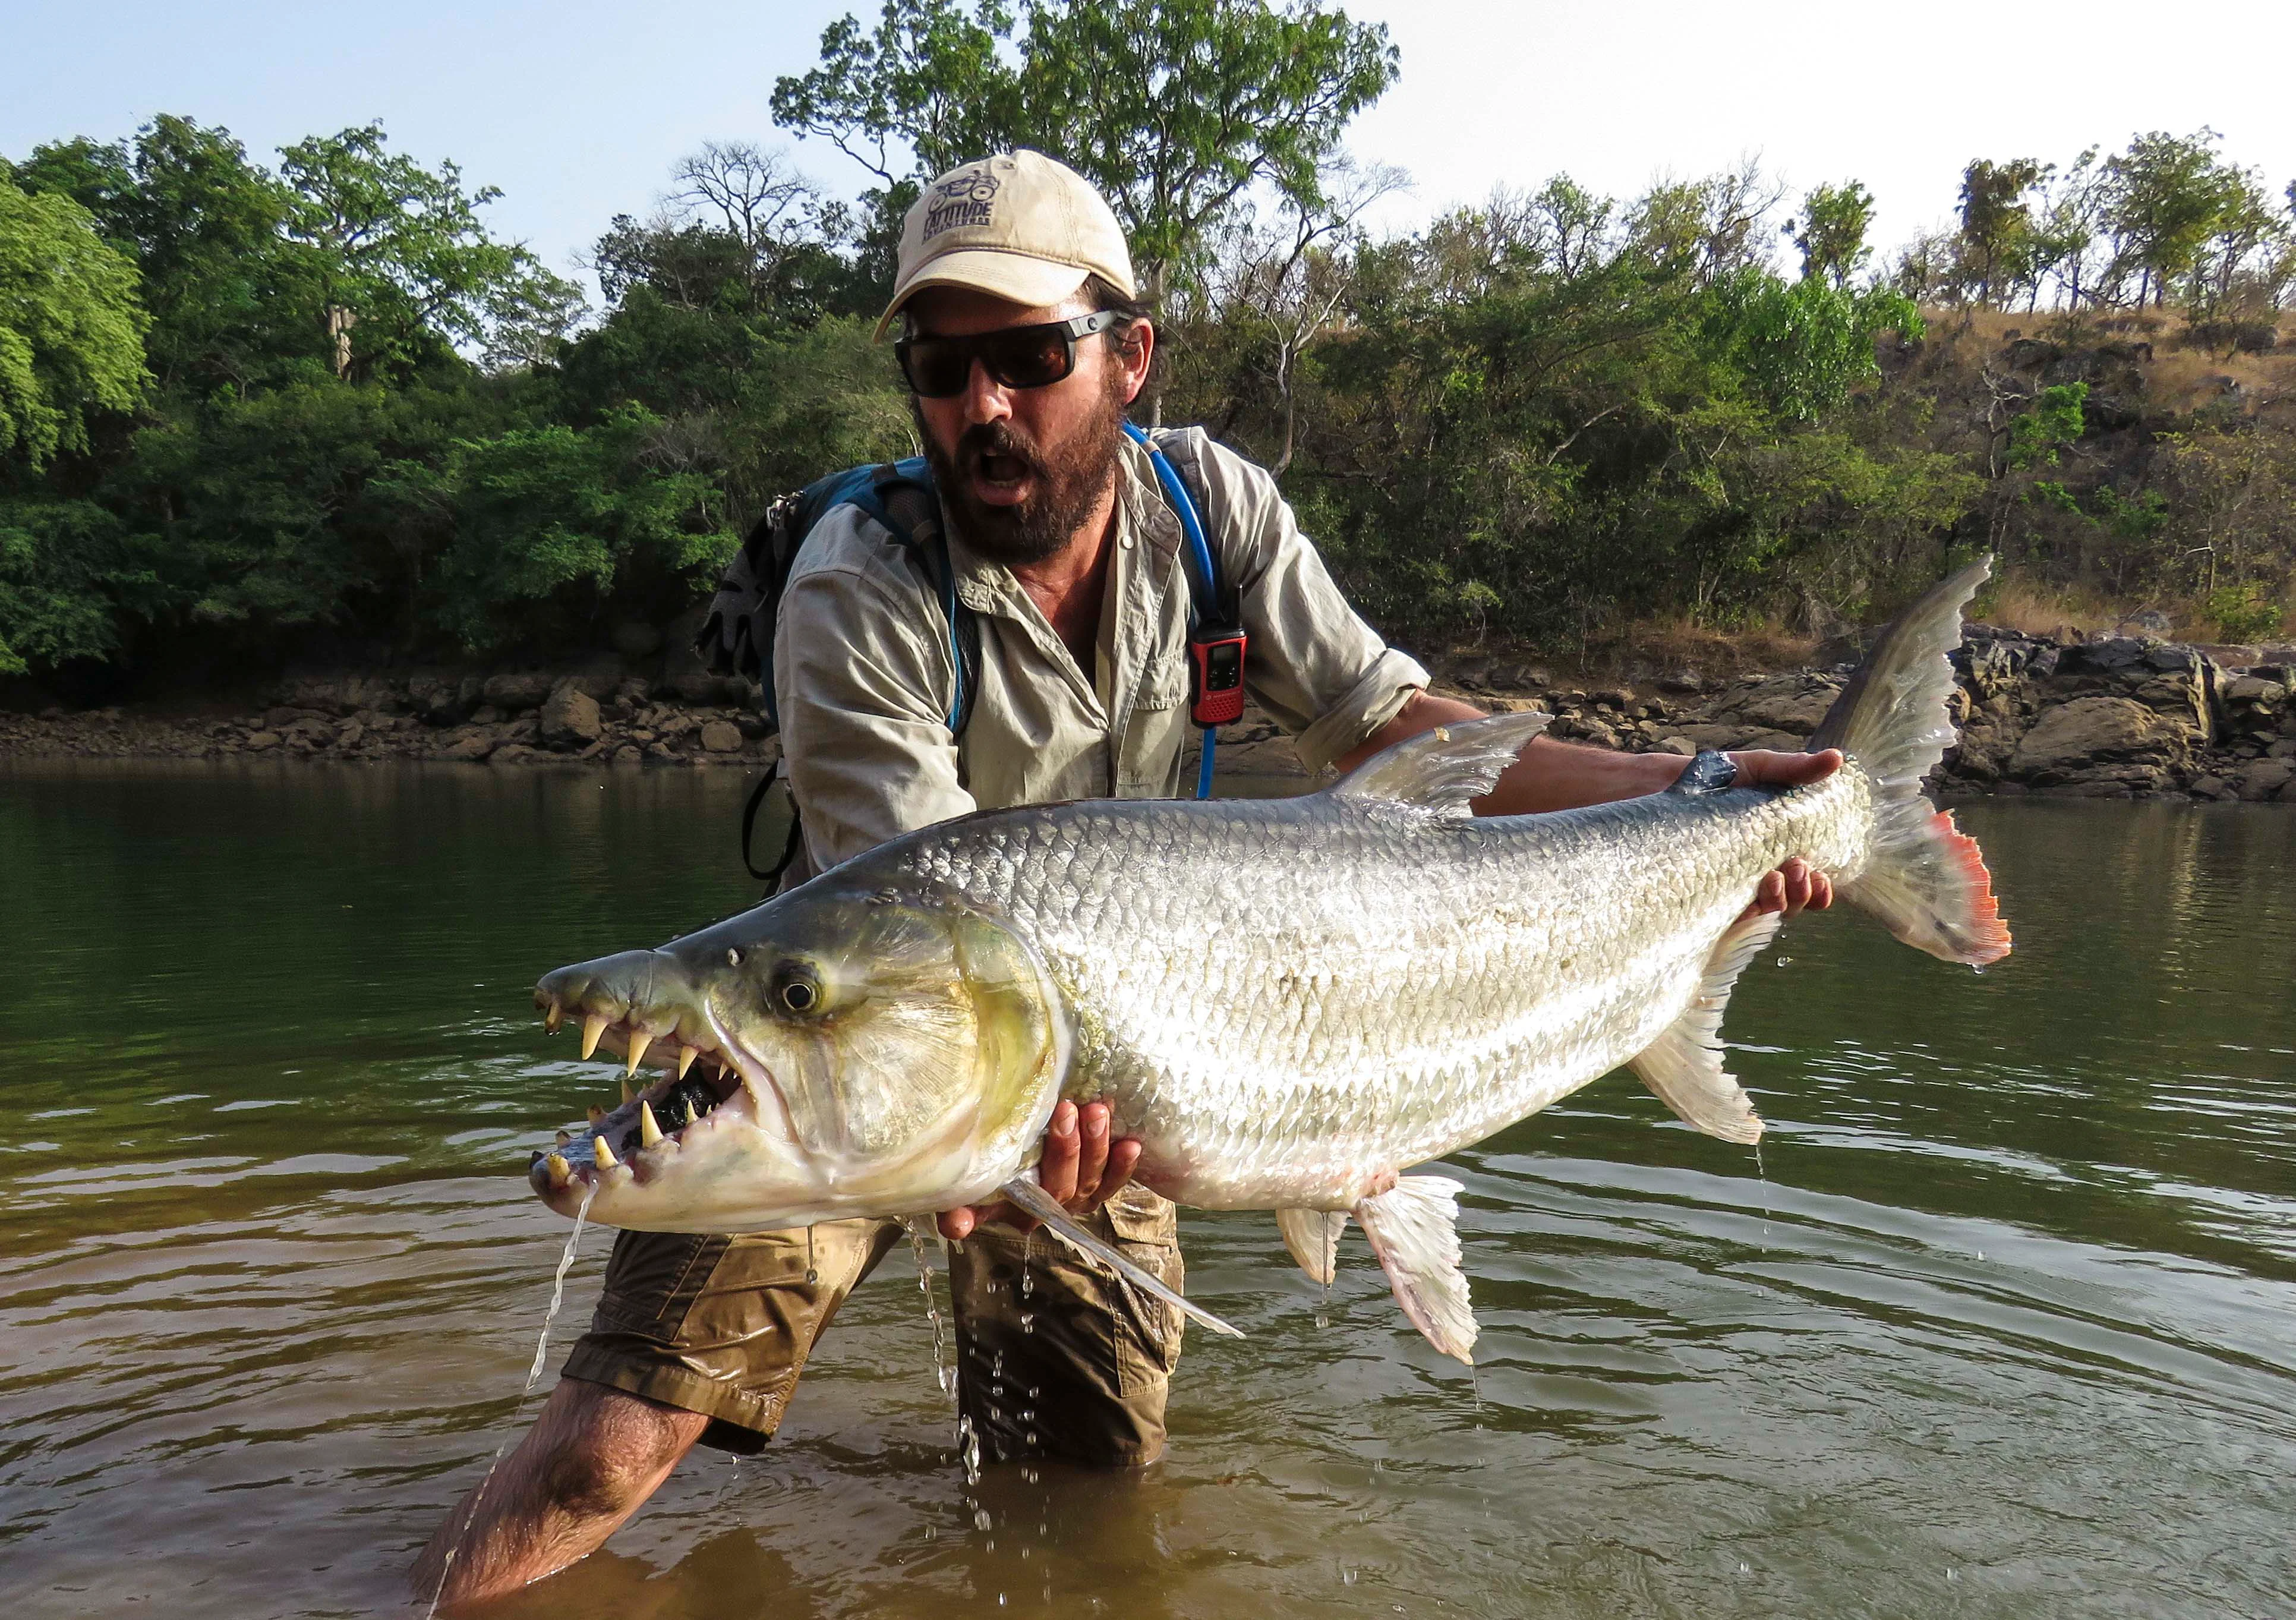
(71, 327)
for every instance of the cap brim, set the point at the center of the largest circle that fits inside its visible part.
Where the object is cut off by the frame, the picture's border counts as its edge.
(1020, 278)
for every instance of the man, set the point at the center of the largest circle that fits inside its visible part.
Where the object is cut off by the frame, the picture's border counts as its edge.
(1024, 347)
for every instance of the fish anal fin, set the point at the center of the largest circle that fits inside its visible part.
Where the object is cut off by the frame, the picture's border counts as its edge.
(1414, 1229)
(1684, 1066)
(1446, 768)
(1032, 1199)
(1312, 1237)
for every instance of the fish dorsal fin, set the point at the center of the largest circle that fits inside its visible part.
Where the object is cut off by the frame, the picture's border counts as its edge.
(1312, 1237)
(1684, 1066)
(1414, 1228)
(1027, 1196)
(1445, 769)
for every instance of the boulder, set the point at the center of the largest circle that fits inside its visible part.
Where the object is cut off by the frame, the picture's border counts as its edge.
(2095, 728)
(2265, 778)
(526, 690)
(721, 736)
(634, 638)
(478, 745)
(570, 717)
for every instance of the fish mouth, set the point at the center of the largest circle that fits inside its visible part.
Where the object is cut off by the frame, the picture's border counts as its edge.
(643, 1011)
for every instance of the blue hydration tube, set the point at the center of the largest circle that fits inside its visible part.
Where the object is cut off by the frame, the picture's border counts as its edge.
(1200, 576)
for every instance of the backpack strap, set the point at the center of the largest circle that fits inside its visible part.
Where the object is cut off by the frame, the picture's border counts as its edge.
(737, 635)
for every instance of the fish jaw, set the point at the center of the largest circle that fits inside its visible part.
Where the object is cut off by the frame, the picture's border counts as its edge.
(833, 1053)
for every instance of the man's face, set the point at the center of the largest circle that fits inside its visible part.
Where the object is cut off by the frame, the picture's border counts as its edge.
(1023, 469)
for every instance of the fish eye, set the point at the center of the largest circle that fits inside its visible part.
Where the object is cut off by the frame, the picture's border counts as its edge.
(796, 987)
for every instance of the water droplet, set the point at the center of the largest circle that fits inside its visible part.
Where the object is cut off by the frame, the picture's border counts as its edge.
(1745, 1568)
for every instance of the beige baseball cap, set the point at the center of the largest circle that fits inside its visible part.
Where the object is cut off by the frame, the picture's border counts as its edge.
(1019, 226)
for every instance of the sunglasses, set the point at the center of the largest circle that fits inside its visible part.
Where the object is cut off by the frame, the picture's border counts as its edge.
(1015, 357)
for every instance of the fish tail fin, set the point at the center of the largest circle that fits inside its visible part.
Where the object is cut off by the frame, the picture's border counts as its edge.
(1923, 879)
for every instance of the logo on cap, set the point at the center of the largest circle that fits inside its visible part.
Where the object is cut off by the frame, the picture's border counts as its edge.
(965, 201)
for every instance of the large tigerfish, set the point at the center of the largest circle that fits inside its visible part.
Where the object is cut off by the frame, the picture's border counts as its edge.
(1290, 1002)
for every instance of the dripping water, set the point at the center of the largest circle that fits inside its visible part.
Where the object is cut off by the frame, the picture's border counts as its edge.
(944, 1375)
(533, 1377)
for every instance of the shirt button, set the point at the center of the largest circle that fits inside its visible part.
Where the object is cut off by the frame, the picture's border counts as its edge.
(1126, 542)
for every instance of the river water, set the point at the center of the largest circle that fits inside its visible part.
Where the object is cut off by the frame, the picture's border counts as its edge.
(2003, 1323)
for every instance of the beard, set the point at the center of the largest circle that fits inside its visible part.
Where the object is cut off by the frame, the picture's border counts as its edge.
(1069, 478)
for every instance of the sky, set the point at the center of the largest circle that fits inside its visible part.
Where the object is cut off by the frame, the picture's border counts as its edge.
(577, 108)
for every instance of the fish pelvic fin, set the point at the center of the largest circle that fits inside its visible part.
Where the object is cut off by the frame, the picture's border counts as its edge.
(1444, 769)
(1414, 1228)
(1684, 1066)
(1923, 879)
(1312, 1237)
(1032, 1199)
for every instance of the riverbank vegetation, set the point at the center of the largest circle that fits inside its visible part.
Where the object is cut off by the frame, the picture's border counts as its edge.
(312, 406)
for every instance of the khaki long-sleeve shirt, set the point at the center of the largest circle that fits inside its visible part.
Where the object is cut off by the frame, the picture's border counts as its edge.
(864, 676)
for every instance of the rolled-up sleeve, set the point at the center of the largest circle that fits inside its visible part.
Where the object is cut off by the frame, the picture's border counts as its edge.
(860, 690)
(1325, 675)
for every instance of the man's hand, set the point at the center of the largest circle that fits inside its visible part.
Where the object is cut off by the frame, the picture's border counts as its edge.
(1080, 1166)
(1796, 887)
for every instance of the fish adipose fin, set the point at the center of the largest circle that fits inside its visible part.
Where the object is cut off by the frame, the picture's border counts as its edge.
(1033, 1199)
(1312, 1237)
(1414, 1228)
(1684, 1066)
(1446, 768)
(1923, 879)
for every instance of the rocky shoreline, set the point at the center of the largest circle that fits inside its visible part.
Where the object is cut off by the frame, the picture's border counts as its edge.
(2116, 717)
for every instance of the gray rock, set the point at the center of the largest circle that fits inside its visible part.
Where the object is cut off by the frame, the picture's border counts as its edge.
(569, 717)
(258, 741)
(2261, 781)
(478, 745)
(526, 690)
(2211, 787)
(2090, 728)
(634, 639)
(721, 736)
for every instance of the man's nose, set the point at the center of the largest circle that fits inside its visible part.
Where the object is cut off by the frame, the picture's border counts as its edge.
(986, 399)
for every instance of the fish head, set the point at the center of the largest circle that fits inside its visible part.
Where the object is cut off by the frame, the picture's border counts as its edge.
(862, 1051)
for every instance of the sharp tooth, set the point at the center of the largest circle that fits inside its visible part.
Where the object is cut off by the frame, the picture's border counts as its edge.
(560, 1172)
(564, 1137)
(649, 1132)
(596, 1114)
(685, 1057)
(626, 1090)
(639, 1042)
(593, 1026)
(552, 1019)
(603, 1154)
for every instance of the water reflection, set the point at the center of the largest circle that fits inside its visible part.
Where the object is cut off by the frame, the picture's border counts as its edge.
(1997, 1323)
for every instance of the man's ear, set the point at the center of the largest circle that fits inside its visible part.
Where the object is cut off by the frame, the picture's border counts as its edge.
(1134, 353)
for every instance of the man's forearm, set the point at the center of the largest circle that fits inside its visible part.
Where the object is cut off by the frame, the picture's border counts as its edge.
(1549, 775)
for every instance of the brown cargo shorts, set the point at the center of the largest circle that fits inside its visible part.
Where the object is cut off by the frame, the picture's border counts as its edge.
(1054, 1357)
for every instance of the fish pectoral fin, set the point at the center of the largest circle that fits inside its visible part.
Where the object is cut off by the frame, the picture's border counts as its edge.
(1684, 1066)
(1446, 767)
(1414, 1228)
(1312, 1237)
(1028, 1196)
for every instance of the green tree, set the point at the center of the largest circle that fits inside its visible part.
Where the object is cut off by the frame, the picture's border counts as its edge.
(1996, 225)
(2168, 196)
(400, 250)
(1830, 232)
(1173, 107)
(227, 291)
(71, 326)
